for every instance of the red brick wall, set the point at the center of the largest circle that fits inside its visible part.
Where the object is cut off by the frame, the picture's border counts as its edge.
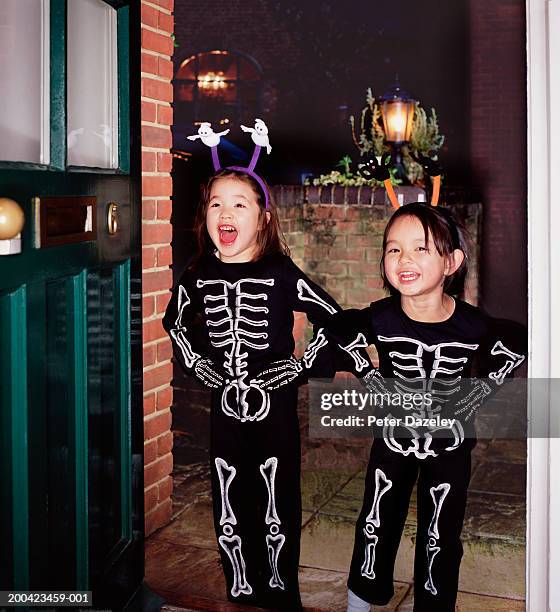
(157, 116)
(498, 150)
(335, 235)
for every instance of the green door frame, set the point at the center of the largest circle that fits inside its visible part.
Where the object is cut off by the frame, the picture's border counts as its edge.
(21, 277)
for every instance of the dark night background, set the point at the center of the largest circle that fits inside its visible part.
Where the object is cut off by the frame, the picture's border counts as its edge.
(319, 59)
(465, 58)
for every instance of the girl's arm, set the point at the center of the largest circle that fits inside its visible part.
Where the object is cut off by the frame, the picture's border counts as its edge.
(351, 331)
(504, 351)
(303, 295)
(339, 337)
(178, 322)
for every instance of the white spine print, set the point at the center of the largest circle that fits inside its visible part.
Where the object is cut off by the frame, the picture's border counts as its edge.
(373, 521)
(229, 542)
(513, 360)
(274, 540)
(230, 327)
(438, 494)
(306, 294)
(353, 349)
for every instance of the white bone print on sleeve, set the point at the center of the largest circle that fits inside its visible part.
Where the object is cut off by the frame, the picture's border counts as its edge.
(202, 368)
(512, 361)
(306, 294)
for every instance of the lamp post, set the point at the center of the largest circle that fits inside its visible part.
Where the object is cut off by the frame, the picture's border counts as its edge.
(397, 111)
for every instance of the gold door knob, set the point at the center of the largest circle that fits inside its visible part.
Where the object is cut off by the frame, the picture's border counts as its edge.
(11, 219)
(112, 218)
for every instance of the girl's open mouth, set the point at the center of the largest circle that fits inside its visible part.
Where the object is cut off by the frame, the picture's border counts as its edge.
(408, 277)
(228, 234)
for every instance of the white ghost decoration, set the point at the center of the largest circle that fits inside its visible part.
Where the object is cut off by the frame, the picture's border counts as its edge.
(259, 134)
(207, 135)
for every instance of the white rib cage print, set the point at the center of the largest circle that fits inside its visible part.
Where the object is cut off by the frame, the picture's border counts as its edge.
(229, 326)
(232, 327)
(441, 381)
(443, 364)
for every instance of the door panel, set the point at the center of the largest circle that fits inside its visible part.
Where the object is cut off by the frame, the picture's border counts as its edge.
(70, 368)
(109, 464)
(14, 557)
(24, 105)
(92, 103)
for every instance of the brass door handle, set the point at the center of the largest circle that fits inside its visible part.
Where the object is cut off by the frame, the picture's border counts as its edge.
(11, 219)
(112, 218)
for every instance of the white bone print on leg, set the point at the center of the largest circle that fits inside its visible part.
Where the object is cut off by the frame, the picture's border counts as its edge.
(232, 328)
(274, 540)
(432, 549)
(373, 520)
(229, 542)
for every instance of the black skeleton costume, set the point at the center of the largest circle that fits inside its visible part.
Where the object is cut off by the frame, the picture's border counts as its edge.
(430, 358)
(247, 360)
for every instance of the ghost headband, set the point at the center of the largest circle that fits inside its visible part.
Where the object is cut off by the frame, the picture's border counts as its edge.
(372, 169)
(259, 135)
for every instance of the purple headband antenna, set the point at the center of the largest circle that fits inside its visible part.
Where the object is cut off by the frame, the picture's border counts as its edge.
(259, 135)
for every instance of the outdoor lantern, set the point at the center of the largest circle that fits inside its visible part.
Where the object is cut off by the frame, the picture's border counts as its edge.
(397, 110)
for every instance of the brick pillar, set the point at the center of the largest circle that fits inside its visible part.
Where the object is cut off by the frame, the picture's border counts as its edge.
(499, 150)
(157, 116)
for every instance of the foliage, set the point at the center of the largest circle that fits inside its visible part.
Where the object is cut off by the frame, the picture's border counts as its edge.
(372, 136)
(347, 178)
(425, 138)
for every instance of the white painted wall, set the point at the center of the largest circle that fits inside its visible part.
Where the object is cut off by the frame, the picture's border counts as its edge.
(543, 485)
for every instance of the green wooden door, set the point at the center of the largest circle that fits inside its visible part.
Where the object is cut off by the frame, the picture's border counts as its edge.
(71, 438)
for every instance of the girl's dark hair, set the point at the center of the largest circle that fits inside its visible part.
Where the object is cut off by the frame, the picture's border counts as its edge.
(448, 234)
(270, 239)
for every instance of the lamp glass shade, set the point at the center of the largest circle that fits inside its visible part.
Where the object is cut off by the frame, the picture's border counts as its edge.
(397, 119)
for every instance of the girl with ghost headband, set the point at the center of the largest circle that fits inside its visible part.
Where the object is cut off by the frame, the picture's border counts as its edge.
(245, 288)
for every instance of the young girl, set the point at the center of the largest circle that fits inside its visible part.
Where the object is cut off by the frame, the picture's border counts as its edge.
(426, 341)
(245, 288)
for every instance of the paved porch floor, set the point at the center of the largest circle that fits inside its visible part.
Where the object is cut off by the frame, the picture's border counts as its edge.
(183, 565)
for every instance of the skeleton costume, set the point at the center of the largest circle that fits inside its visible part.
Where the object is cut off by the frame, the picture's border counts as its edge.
(430, 358)
(246, 358)
(248, 310)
